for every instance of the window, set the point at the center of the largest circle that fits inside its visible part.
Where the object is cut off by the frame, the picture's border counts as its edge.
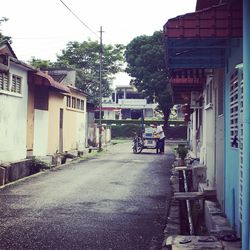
(241, 134)
(234, 115)
(82, 104)
(16, 84)
(4, 81)
(10, 83)
(78, 103)
(73, 102)
(68, 101)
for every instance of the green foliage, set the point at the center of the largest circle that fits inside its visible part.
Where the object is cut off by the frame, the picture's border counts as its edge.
(85, 59)
(145, 57)
(125, 131)
(39, 63)
(2, 37)
(182, 151)
(39, 165)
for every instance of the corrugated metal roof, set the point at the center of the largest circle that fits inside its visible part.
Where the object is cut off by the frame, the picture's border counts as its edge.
(41, 78)
(199, 39)
(224, 20)
(77, 90)
(57, 77)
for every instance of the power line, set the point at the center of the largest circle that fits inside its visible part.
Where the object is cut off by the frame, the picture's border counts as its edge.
(40, 38)
(84, 24)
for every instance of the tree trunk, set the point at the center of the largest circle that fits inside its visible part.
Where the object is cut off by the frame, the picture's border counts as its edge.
(166, 114)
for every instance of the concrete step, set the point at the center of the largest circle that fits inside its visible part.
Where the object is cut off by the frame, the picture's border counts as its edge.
(177, 242)
(195, 195)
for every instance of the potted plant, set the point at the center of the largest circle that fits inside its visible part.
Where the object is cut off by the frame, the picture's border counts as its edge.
(182, 152)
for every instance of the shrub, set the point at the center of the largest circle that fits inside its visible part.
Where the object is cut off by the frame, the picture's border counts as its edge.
(125, 131)
(38, 165)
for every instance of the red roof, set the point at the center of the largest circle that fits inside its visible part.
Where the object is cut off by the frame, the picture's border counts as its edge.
(40, 78)
(224, 20)
(184, 81)
(191, 77)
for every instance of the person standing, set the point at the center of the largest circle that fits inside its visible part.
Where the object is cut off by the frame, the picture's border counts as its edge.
(161, 139)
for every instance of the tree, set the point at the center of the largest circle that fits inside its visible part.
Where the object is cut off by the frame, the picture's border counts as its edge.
(85, 59)
(41, 64)
(2, 37)
(145, 57)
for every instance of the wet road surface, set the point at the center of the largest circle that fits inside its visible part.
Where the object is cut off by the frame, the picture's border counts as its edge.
(117, 200)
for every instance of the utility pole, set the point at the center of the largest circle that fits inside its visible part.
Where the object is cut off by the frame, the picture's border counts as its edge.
(100, 91)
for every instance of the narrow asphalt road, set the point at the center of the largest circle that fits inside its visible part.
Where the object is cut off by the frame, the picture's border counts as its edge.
(117, 200)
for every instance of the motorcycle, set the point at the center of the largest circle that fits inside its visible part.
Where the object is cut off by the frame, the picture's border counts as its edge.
(137, 144)
(146, 141)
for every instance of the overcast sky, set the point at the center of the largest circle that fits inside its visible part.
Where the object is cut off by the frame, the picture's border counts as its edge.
(42, 28)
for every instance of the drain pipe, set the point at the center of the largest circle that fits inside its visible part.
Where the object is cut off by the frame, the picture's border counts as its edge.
(191, 227)
(246, 125)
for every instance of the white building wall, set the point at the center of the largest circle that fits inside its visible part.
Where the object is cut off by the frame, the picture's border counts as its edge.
(210, 137)
(13, 120)
(41, 131)
(219, 134)
(80, 130)
(219, 159)
(193, 133)
(109, 115)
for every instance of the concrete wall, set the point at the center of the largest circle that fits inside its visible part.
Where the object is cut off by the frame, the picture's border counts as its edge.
(74, 127)
(209, 142)
(80, 130)
(30, 120)
(231, 154)
(109, 114)
(13, 120)
(193, 132)
(56, 101)
(69, 130)
(41, 130)
(219, 136)
(93, 135)
(17, 170)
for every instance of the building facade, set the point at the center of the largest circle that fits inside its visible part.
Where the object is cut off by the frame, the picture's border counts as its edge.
(214, 40)
(126, 103)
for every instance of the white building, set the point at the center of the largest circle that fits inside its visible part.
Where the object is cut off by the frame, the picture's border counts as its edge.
(126, 103)
(13, 105)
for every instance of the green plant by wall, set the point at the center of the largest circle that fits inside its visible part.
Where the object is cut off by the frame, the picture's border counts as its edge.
(182, 151)
(38, 165)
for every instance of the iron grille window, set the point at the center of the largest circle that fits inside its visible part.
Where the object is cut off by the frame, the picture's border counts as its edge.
(241, 141)
(234, 115)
